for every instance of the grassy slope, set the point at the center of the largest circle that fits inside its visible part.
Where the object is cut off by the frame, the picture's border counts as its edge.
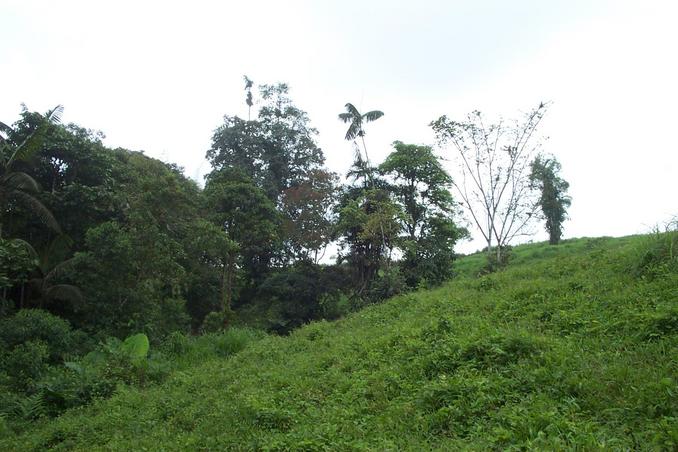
(564, 349)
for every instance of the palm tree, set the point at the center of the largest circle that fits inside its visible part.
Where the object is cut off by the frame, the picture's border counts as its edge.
(18, 186)
(355, 129)
(356, 120)
(42, 287)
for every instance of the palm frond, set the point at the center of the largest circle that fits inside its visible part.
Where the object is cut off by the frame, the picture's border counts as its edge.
(55, 252)
(353, 130)
(351, 109)
(38, 208)
(373, 115)
(29, 146)
(59, 269)
(33, 141)
(64, 292)
(4, 128)
(29, 407)
(54, 115)
(18, 180)
(346, 117)
(27, 246)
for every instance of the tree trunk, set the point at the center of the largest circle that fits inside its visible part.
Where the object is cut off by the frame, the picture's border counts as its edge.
(227, 288)
(223, 292)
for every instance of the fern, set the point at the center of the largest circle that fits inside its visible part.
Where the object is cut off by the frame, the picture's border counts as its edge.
(30, 407)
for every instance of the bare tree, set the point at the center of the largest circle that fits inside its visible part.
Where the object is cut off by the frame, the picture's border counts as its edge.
(494, 168)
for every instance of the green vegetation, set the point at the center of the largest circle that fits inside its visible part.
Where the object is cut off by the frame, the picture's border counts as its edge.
(553, 198)
(572, 346)
(140, 310)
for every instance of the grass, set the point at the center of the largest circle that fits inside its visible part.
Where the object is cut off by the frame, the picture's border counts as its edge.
(571, 347)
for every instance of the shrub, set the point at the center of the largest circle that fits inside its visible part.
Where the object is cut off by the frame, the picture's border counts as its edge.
(493, 264)
(658, 253)
(217, 321)
(25, 364)
(37, 325)
(171, 316)
(98, 373)
(334, 305)
(231, 341)
(388, 283)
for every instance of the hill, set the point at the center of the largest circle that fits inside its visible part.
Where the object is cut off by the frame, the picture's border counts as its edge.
(572, 346)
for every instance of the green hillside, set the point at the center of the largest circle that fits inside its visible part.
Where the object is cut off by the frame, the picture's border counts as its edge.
(573, 346)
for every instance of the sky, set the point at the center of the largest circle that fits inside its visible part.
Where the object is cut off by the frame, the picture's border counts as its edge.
(159, 76)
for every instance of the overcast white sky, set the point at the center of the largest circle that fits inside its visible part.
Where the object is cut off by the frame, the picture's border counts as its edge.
(159, 76)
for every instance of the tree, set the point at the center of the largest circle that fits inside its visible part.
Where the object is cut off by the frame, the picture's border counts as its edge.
(17, 260)
(494, 164)
(17, 186)
(277, 150)
(248, 98)
(356, 120)
(308, 218)
(369, 224)
(130, 277)
(421, 186)
(213, 247)
(248, 217)
(51, 266)
(553, 198)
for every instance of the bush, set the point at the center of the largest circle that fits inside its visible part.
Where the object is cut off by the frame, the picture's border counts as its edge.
(658, 253)
(231, 342)
(25, 364)
(37, 325)
(172, 316)
(16, 262)
(30, 342)
(217, 321)
(493, 264)
(388, 283)
(334, 305)
(97, 374)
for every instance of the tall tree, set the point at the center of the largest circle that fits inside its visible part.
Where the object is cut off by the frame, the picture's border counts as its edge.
(248, 97)
(553, 198)
(369, 224)
(277, 149)
(213, 247)
(17, 186)
(356, 122)
(420, 184)
(422, 187)
(276, 152)
(308, 218)
(494, 165)
(249, 219)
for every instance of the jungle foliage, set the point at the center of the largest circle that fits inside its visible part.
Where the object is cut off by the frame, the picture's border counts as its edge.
(98, 245)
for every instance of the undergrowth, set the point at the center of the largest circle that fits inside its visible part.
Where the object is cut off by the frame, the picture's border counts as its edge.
(573, 346)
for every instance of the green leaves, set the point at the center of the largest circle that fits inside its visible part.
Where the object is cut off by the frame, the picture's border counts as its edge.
(136, 346)
(34, 140)
(553, 198)
(373, 115)
(420, 186)
(356, 119)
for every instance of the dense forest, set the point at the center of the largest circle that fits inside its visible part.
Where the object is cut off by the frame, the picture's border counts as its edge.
(101, 244)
